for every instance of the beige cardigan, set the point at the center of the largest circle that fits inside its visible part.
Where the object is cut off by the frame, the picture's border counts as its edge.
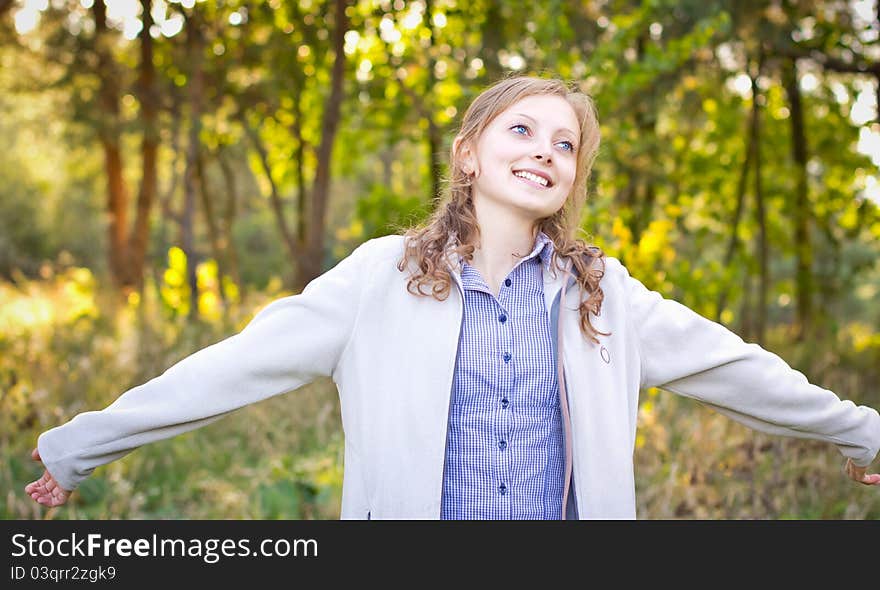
(392, 355)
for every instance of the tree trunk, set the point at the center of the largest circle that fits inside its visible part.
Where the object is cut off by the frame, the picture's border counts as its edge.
(312, 262)
(746, 321)
(290, 241)
(643, 194)
(5, 5)
(802, 245)
(434, 136)
(740, 206)
(627, 197)
(211, 219)
(109, 133)
(298, 158)
(760, 215)
(194, 43)
(166, 197)
(149, 148)
(492, 35)
(435, 156)
(229, 222)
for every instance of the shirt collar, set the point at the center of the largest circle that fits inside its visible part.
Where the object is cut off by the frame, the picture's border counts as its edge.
(542, 250)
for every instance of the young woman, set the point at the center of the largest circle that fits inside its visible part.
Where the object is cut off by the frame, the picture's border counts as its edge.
(489, 363)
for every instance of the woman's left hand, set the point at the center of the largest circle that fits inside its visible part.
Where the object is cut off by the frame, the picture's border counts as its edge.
(46, 490)
(860, 474)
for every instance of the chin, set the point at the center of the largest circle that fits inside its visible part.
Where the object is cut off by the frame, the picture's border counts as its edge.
(535, 214)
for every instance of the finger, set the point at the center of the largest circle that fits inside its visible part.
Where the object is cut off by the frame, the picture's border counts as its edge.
(32, 487)
(59, 496)
(854, 472)
(871, 479)
(49, 499)
(56, 492)
(35, 455)
(55, 487)
(38, 485)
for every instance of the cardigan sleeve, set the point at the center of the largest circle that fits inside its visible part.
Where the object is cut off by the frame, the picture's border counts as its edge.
(289, 343)
(688, 354)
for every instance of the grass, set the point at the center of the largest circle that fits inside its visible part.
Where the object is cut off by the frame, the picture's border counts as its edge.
(62, 353)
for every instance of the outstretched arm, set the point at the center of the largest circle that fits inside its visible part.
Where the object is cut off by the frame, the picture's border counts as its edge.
(289, 343)
(688, 354)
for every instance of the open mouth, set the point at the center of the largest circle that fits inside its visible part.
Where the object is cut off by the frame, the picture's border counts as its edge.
(533, 179)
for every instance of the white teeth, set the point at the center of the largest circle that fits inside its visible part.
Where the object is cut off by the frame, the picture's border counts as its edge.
(532, 177)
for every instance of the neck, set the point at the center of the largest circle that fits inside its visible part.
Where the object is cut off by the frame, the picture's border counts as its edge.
(504, 239)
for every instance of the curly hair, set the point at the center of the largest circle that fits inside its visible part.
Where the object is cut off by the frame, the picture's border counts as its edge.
(452, 232)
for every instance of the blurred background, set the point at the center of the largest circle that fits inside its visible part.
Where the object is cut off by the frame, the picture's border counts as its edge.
(169, 168)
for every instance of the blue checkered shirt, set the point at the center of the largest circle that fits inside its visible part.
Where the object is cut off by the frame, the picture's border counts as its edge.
(505, 454)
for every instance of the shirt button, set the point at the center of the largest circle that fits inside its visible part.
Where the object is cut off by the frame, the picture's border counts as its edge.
(503, 489)
(502, 318)
(507, 357)
(506, 282)
(504, 403)
(502, 445)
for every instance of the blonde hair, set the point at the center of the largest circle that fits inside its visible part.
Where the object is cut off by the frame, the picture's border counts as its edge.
(453, 230)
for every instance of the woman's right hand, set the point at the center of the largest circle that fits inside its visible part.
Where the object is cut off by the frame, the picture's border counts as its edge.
(46, 490)
(860, 474)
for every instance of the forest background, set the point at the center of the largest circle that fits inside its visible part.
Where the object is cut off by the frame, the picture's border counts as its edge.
(169, 168)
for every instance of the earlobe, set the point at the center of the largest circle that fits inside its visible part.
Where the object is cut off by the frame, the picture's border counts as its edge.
(468, 164)
(463, 154)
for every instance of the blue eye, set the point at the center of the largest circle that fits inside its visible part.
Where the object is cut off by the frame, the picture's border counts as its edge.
(570, 145)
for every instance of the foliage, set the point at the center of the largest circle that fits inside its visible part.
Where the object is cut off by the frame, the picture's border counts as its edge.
(62, 353)
(674, 195)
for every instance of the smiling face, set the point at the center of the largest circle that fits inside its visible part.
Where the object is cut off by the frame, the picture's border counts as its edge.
(525, 160)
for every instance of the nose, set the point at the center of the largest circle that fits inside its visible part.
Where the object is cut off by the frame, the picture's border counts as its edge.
(543, 154)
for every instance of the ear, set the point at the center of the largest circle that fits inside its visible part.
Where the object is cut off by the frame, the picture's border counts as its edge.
(462, 152)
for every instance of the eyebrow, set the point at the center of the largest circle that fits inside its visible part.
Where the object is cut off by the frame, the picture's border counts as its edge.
(533, 120)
